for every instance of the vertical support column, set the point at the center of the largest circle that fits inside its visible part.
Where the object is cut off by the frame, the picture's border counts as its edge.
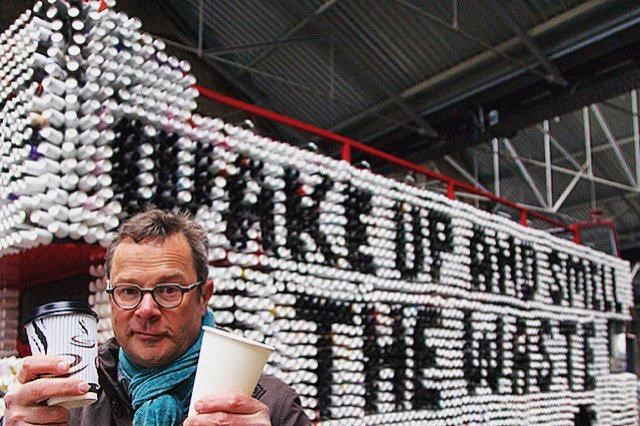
(547, 162)
(346, 152)
(454, 24)
(575, 230)
(332, 68)
(587, 149)
(636, 133)
(475, 174)
(451, 190)
(200, 27)
(496, 166)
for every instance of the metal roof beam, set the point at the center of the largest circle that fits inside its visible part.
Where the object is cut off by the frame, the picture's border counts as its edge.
(200, 27)
(570, 172)
(634, 270)
(603, 147)
(470, 37)
(187, 37)
(496, 166)
(562, 198)
(586, 127)
(547, 163)
(294, 29)
(612, 141)
(265, 74)
(453, 163)
(363, 68)
(636, 133)
(559, 147)
(252, 94)
(489, 54)
(594, 86)
(554, 76)
(524, 172)
(261, 45)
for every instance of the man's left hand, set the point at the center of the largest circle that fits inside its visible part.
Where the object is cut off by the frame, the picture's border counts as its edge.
(229, 409)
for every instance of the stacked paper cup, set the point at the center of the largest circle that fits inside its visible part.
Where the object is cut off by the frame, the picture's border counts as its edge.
(74, 74)
(20, 184)
(9, 314)
(99, 302)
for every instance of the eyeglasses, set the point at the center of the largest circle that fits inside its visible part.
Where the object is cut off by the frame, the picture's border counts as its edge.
(167, 296)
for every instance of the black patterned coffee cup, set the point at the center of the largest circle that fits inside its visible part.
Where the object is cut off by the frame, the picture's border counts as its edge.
(69, 330)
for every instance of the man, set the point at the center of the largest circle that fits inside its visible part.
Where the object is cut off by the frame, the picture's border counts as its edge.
(146, 372)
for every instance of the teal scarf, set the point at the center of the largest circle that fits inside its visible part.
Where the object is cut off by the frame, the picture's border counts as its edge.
(161, 395)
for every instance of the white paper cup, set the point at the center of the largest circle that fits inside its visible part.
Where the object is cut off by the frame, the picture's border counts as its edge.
(228, 363)
(69, 330)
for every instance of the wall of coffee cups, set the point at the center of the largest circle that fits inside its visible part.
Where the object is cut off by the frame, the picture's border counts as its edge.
(9, 316)
(388, 304)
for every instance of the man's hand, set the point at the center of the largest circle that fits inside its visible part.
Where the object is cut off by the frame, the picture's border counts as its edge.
(229, 409)
(26, 396)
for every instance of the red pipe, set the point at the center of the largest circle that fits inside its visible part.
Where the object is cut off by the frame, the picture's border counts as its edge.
(576, 234)
(346, 152)
(348, 144)
(451, 191)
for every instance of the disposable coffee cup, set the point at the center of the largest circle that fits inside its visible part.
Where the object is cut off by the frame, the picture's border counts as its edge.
(68, 330)
(228, 363)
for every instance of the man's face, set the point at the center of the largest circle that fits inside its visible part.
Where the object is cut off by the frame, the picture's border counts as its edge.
(152, 336)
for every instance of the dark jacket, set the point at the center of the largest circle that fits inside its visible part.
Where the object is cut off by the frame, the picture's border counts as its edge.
(113, 407)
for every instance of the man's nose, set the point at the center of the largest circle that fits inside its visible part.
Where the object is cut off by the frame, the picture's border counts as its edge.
(147, 307)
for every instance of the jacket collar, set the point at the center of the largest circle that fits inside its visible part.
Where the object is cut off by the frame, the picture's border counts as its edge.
(114, 388)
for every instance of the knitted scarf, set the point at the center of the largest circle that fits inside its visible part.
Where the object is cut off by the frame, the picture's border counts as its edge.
(161, 395)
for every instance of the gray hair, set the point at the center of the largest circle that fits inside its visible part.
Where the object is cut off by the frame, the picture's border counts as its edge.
(155, 224)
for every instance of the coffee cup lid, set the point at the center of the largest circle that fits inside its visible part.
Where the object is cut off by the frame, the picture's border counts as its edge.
(61, 308)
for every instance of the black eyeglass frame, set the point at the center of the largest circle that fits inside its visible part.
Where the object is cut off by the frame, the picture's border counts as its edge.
(184, 289)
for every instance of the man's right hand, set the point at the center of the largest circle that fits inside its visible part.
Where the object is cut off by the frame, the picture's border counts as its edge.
(26, 398)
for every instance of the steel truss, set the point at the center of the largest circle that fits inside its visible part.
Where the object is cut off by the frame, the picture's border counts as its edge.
(579, 165)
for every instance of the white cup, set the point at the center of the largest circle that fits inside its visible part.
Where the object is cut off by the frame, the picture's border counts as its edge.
(227, 363)
(68, 330)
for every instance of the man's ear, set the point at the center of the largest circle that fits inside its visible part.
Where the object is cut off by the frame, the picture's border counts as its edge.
(207, 291)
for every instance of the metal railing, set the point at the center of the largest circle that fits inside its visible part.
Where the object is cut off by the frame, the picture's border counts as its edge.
(349, 145)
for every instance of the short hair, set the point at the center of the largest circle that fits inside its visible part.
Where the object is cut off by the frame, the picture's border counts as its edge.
(157, 225)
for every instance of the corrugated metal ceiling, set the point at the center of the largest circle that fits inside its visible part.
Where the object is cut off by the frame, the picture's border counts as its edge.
(334, 63)
(358, 52)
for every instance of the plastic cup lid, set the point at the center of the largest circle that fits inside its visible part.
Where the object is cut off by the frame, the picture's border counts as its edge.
(61, 308)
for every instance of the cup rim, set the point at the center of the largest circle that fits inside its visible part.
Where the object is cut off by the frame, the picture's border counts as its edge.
(65, 307)
(225, 333)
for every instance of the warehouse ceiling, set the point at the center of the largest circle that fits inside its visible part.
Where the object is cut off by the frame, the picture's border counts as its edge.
(435, 82)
